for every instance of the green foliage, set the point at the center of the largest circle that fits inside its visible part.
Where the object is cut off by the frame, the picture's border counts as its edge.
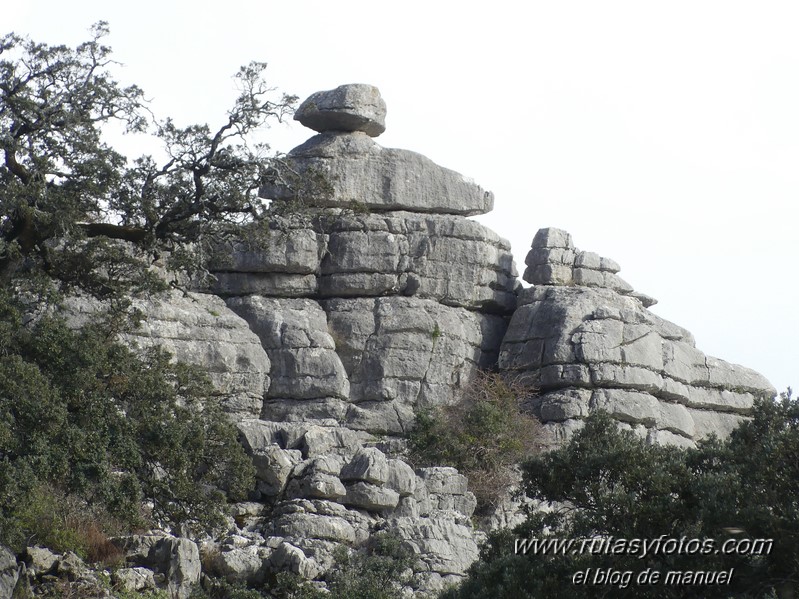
(609, 483)
(221, 589)
(484, 436)
(67, 198)
(81, 416)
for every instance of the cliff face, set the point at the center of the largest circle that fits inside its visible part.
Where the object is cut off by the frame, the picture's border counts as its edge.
(381, 298)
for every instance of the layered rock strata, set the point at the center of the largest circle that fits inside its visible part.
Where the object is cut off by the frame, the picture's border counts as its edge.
(373, 300)
(354, 170)
(341, 253)
(327, 330)
(369, 316)
(334, 487)
(584, 337)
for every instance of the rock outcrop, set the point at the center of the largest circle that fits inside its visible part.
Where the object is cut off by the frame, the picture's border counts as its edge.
(331, 328)
(9, 573)
(586, 340)
(354, 107)
(373, 300)
(379, 298)
(355, 171)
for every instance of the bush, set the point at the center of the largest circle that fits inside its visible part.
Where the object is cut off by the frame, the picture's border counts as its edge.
(378, 572)
(484, 436)
(86, 423)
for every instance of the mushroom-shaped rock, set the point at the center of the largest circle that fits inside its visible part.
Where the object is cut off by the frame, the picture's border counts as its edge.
(351, 107)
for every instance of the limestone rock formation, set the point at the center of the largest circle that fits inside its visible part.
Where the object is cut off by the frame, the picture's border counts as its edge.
(339, 253)
(328, 329)
(200, 329)
(362, 173)
(352, 107)
(586, 340)
(357, 171)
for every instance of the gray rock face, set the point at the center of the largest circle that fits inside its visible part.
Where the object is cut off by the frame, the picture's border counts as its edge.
(367, 465)
(357, 171)
(371, 497)
(343, 491)
(352, 107)
(453, 260)
(553, 260)
(288, 245)
(273, 466)
(176, 560)
(40, 560)
(248, 564)
(313, 440)
(9, 573)
(200, 329)
(444, 488)
(134, 579)
(404, 353)
(589, 343)
(401, 478)
(179, 560)
(445, 545)
(301, 351)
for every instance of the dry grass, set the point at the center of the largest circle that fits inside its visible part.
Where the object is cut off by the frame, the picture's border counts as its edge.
(484, 436)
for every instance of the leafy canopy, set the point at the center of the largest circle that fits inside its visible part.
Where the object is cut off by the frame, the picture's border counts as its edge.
(65, 193)
(83, 418)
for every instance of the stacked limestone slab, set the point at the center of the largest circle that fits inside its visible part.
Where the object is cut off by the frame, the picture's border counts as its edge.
(585, 338)
(375, 296)
(331, 486)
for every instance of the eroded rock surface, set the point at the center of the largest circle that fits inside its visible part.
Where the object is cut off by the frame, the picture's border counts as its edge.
(403, 354)
(339, 253)
(351, 107)
(360, 172)
(199, 329)
(585, 338)
(378, 298)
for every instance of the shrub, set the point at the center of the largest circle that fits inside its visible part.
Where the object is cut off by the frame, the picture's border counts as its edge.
(85, 422)
(484, 436)
(607, 484)
(379, 571)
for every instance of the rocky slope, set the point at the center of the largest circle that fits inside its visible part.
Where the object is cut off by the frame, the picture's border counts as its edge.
(377, 299)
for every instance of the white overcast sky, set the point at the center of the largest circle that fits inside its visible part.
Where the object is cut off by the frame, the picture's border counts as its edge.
(664, 135)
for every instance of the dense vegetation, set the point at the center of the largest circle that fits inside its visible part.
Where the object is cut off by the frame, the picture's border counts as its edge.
(91, 432)
(609, 483)
(95, 437)
(379, 570)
